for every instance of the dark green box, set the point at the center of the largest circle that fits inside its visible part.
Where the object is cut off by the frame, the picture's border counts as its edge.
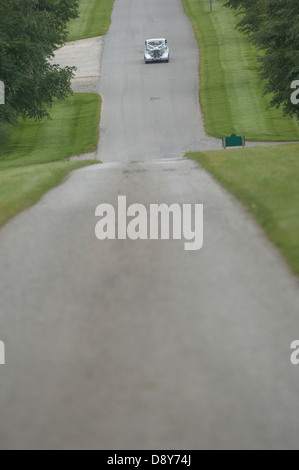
(233, 141)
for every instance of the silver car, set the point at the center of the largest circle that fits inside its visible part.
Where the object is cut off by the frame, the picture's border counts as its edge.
(156, 50)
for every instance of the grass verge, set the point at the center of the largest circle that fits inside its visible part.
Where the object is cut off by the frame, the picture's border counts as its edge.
(20, 188)
(72, 130)
(231, 92)
(265, 180)
(34, 158)
(94, 20)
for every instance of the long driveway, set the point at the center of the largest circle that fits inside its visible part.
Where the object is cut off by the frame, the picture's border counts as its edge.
(150, 111)
(140, 344)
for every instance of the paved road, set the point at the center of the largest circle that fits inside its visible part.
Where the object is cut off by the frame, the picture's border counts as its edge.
(132, 344)
(140, 344)
(151, 110)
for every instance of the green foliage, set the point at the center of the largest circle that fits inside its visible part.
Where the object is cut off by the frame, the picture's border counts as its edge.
(30, 32)
(273, 27)
(231, 92)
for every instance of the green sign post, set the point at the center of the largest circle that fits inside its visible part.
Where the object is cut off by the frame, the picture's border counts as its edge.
(233, 141)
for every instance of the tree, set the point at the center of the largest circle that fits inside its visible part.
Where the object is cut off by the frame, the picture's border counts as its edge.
(30, 32)
(273, 27)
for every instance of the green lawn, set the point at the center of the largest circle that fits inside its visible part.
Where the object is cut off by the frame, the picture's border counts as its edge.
(22, 187)
(72, 130)
(34, 158)
(231, 93)
(95, 19)
(265, 180)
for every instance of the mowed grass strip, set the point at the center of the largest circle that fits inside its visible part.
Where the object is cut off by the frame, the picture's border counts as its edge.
(265, 180)
(20, 188)
(94, 20)
(231, 93)
(72, 130)
(34, 158)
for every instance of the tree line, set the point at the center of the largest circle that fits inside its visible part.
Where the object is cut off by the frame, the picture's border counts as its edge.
(273, 27)
(30, 32)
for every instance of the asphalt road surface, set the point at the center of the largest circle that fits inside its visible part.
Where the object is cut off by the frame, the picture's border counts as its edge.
(150, 111)
(140, 344)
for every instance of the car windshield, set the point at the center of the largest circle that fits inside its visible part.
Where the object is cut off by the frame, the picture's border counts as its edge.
(155, 43)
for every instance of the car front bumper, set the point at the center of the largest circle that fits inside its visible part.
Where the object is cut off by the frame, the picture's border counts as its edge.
(163, 58)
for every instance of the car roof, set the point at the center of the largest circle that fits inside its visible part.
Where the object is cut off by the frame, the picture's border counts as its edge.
(156, 39)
